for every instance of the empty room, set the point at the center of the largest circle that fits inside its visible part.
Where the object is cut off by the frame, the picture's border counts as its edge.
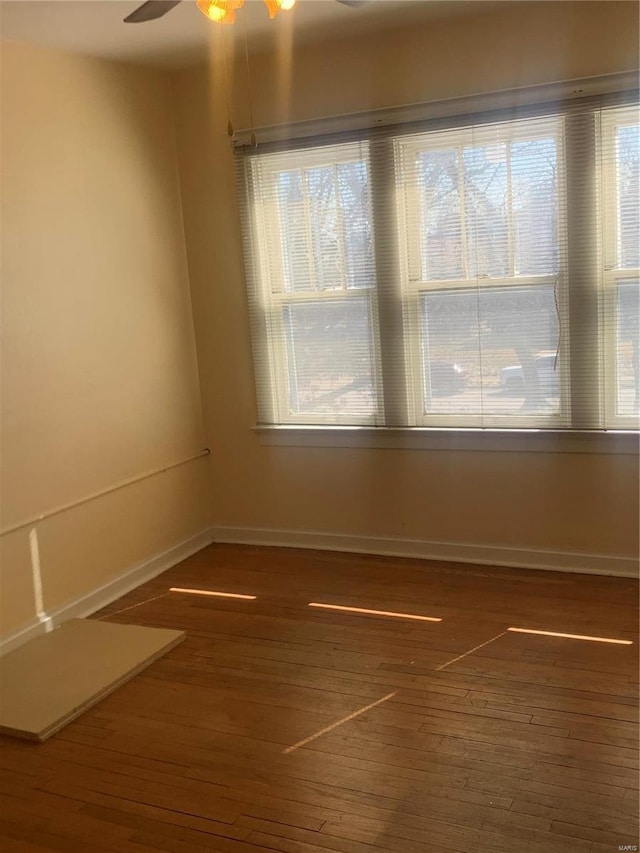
(320, 408)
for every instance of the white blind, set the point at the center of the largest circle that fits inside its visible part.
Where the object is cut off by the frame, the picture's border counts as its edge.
(474, 272)
(620, 285)
(315, 303)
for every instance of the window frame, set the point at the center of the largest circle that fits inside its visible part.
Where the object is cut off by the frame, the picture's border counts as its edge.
(396, 416)
(414, 286)
(613, 273)
(272, 301)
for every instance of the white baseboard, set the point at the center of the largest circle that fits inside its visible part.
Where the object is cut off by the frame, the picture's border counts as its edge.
(455, 552)
(494, 555)
(105, 594)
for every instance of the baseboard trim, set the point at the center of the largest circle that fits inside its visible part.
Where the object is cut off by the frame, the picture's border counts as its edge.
(455, 552)
(105, 594)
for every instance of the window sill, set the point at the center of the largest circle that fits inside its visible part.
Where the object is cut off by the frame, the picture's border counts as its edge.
(511, 441)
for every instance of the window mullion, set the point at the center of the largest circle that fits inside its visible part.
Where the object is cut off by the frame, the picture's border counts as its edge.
(389, 288)
(584, 251)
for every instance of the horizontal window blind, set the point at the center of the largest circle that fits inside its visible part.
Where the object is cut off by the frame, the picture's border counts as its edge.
(485, 282)
(315, 299)
(620, 285)
(466, 272)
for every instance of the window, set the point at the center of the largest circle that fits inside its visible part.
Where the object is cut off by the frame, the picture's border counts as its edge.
(621, 280)
(319, 284)
(486, 273)
(459, 275)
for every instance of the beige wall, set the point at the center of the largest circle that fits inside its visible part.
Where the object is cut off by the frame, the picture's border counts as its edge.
(556, 501)
(99, 373)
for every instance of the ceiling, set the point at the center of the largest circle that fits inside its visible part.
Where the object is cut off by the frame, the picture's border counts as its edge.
(182, 37)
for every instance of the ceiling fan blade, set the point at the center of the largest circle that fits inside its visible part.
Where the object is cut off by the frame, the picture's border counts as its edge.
(353, 3)
(150, 10)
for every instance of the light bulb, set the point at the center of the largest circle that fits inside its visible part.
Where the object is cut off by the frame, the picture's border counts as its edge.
(220, 11)
(275, 6)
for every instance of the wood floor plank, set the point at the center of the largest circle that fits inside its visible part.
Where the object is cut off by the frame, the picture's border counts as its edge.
(527, 743)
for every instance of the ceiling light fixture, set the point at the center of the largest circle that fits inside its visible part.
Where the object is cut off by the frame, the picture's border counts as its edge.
(224, 11)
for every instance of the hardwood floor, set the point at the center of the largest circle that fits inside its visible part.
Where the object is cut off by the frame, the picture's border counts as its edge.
(528, 743)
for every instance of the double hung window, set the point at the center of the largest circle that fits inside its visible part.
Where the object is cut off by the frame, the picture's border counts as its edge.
(621, 268)
(317, 294)
(485, 275)
(461, 273)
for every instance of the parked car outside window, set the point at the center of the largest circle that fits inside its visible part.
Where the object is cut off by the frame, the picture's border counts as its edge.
(512, 378)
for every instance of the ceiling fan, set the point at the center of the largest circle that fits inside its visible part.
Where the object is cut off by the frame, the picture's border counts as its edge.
(222, 11)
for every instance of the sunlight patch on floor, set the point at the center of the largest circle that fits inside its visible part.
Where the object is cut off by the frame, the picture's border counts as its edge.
(571, 636)
(375, 612)
(212, 592)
